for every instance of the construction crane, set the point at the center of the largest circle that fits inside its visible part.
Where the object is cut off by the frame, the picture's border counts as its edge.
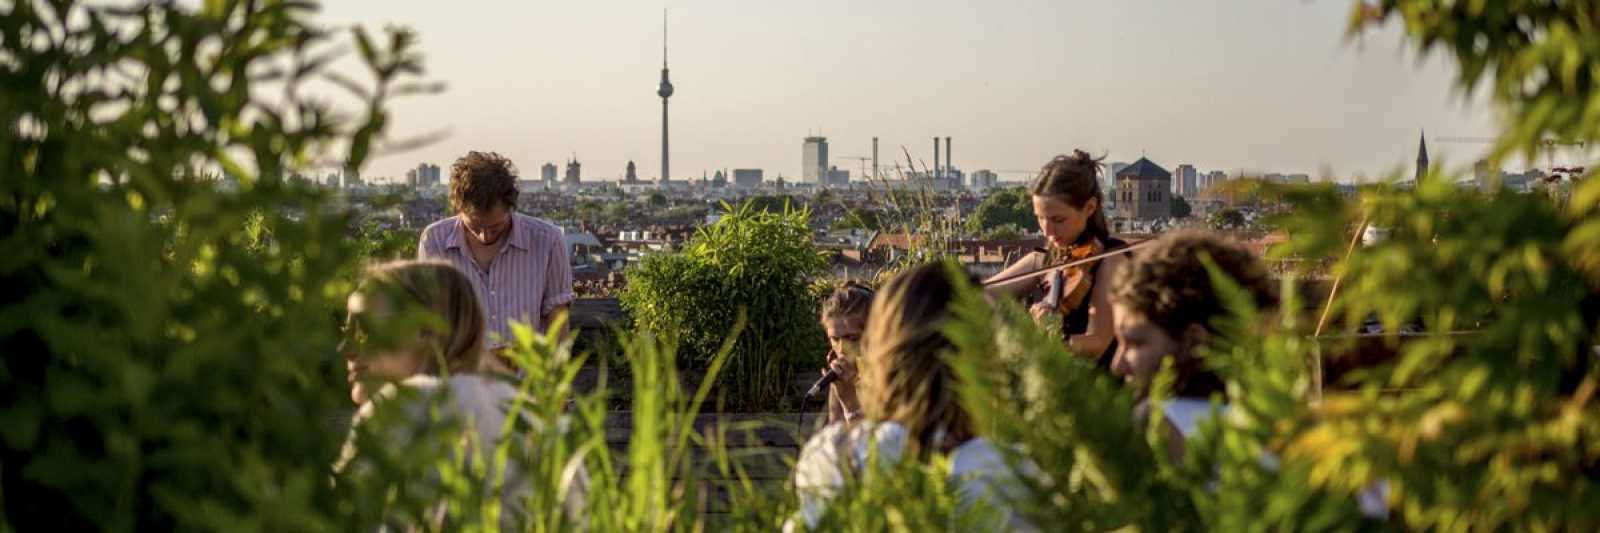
(1549, 148)
(864, 175)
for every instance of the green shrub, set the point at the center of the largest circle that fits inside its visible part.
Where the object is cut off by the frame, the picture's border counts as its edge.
(169, 341)
(752, 261)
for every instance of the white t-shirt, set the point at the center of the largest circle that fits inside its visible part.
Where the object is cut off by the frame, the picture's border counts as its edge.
(978, 471)
(481, 403)
(1187, 414)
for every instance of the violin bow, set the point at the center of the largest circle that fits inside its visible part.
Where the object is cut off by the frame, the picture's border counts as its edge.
(1070, 264)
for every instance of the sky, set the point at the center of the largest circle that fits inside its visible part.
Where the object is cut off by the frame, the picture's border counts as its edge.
(1232, 85)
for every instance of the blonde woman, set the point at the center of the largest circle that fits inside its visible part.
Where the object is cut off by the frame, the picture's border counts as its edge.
(415, 335)
(910, 401)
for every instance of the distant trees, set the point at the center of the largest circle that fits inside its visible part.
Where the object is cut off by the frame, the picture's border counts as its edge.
(866, 219)
(1227, 219)
(1011, 207)
(1181, 208)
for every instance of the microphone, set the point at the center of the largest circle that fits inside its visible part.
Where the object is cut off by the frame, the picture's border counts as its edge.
(827, 379)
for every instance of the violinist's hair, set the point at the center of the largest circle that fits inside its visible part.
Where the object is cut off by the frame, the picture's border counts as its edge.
(1075, 179)
(1169, 285)
(906, 377)
(850, 299)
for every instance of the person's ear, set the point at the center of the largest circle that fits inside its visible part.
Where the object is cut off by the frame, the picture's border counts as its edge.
(1089, 206)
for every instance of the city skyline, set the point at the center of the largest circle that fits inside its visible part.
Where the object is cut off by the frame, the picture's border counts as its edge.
(1256, 86)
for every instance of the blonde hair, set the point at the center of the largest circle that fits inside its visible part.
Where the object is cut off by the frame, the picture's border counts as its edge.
(440, 298)
(907, 380)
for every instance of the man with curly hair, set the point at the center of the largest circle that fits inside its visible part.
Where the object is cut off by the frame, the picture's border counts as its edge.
(518, 264)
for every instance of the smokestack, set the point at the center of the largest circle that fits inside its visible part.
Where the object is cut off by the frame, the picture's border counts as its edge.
(947, 151)
(874, 158)
(935, 158)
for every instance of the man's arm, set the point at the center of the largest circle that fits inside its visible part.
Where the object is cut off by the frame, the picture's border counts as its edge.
(557, 284)
(425, 246)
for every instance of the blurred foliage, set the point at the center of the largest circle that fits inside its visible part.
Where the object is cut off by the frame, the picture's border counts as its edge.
(751, 261)
(169, 332)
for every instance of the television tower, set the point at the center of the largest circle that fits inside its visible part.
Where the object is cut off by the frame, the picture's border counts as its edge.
(664, 91)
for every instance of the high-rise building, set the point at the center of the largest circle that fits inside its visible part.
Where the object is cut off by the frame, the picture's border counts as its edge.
(631, 174)
(814, 160)
(352, 177)
(574, 171)
(747, 178)
(984, 179)
(425, 175)
(1187, 180)
(547, 173)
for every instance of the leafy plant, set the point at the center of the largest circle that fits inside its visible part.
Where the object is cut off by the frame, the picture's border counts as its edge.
(751, 261)
(169, 295)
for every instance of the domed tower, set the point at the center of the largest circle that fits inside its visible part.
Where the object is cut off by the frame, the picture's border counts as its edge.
(664, 90)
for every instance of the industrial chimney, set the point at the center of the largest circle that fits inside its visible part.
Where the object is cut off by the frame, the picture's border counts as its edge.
(874, 158)
(935, 158)
(947, 156)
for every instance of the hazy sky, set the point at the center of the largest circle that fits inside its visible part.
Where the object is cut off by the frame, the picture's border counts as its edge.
(1267, 85)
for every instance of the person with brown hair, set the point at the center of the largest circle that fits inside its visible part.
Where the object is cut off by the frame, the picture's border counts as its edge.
(844, 317)
(414, 337)
(1071, 212)
(1167, 308)
(910, 401)
(518, 264)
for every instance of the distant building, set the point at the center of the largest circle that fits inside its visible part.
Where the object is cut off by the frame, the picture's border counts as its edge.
(574, 172)
(1111, 179)
(814, 160)
(719, 180)
(1186, 179)
(1144, 191)
(1422, 156)
(547, 174)
(424, 175)
(631, 174)
(1483, 175)
(984, 179)
(352, 177)
(747, 178)
(1215, 177)
(838, 178)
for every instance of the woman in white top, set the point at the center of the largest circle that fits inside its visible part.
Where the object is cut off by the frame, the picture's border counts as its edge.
(910, 402)
(414, 335)
(1165, 307)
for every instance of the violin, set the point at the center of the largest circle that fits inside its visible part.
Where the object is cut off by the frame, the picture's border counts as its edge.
(1066, 272)
(1066, 287)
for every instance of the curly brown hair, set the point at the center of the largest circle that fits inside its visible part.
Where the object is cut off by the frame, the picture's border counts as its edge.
(1168, 283)
(849, 299)
(481, 180)
(1075, 179)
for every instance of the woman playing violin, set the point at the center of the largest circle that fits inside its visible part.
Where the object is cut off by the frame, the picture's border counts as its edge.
(1068, 203)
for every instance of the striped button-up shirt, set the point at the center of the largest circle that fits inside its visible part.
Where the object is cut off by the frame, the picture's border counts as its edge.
(528, 279)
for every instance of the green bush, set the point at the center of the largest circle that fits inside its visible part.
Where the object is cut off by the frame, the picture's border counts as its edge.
(169, 336)
(753, 261)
